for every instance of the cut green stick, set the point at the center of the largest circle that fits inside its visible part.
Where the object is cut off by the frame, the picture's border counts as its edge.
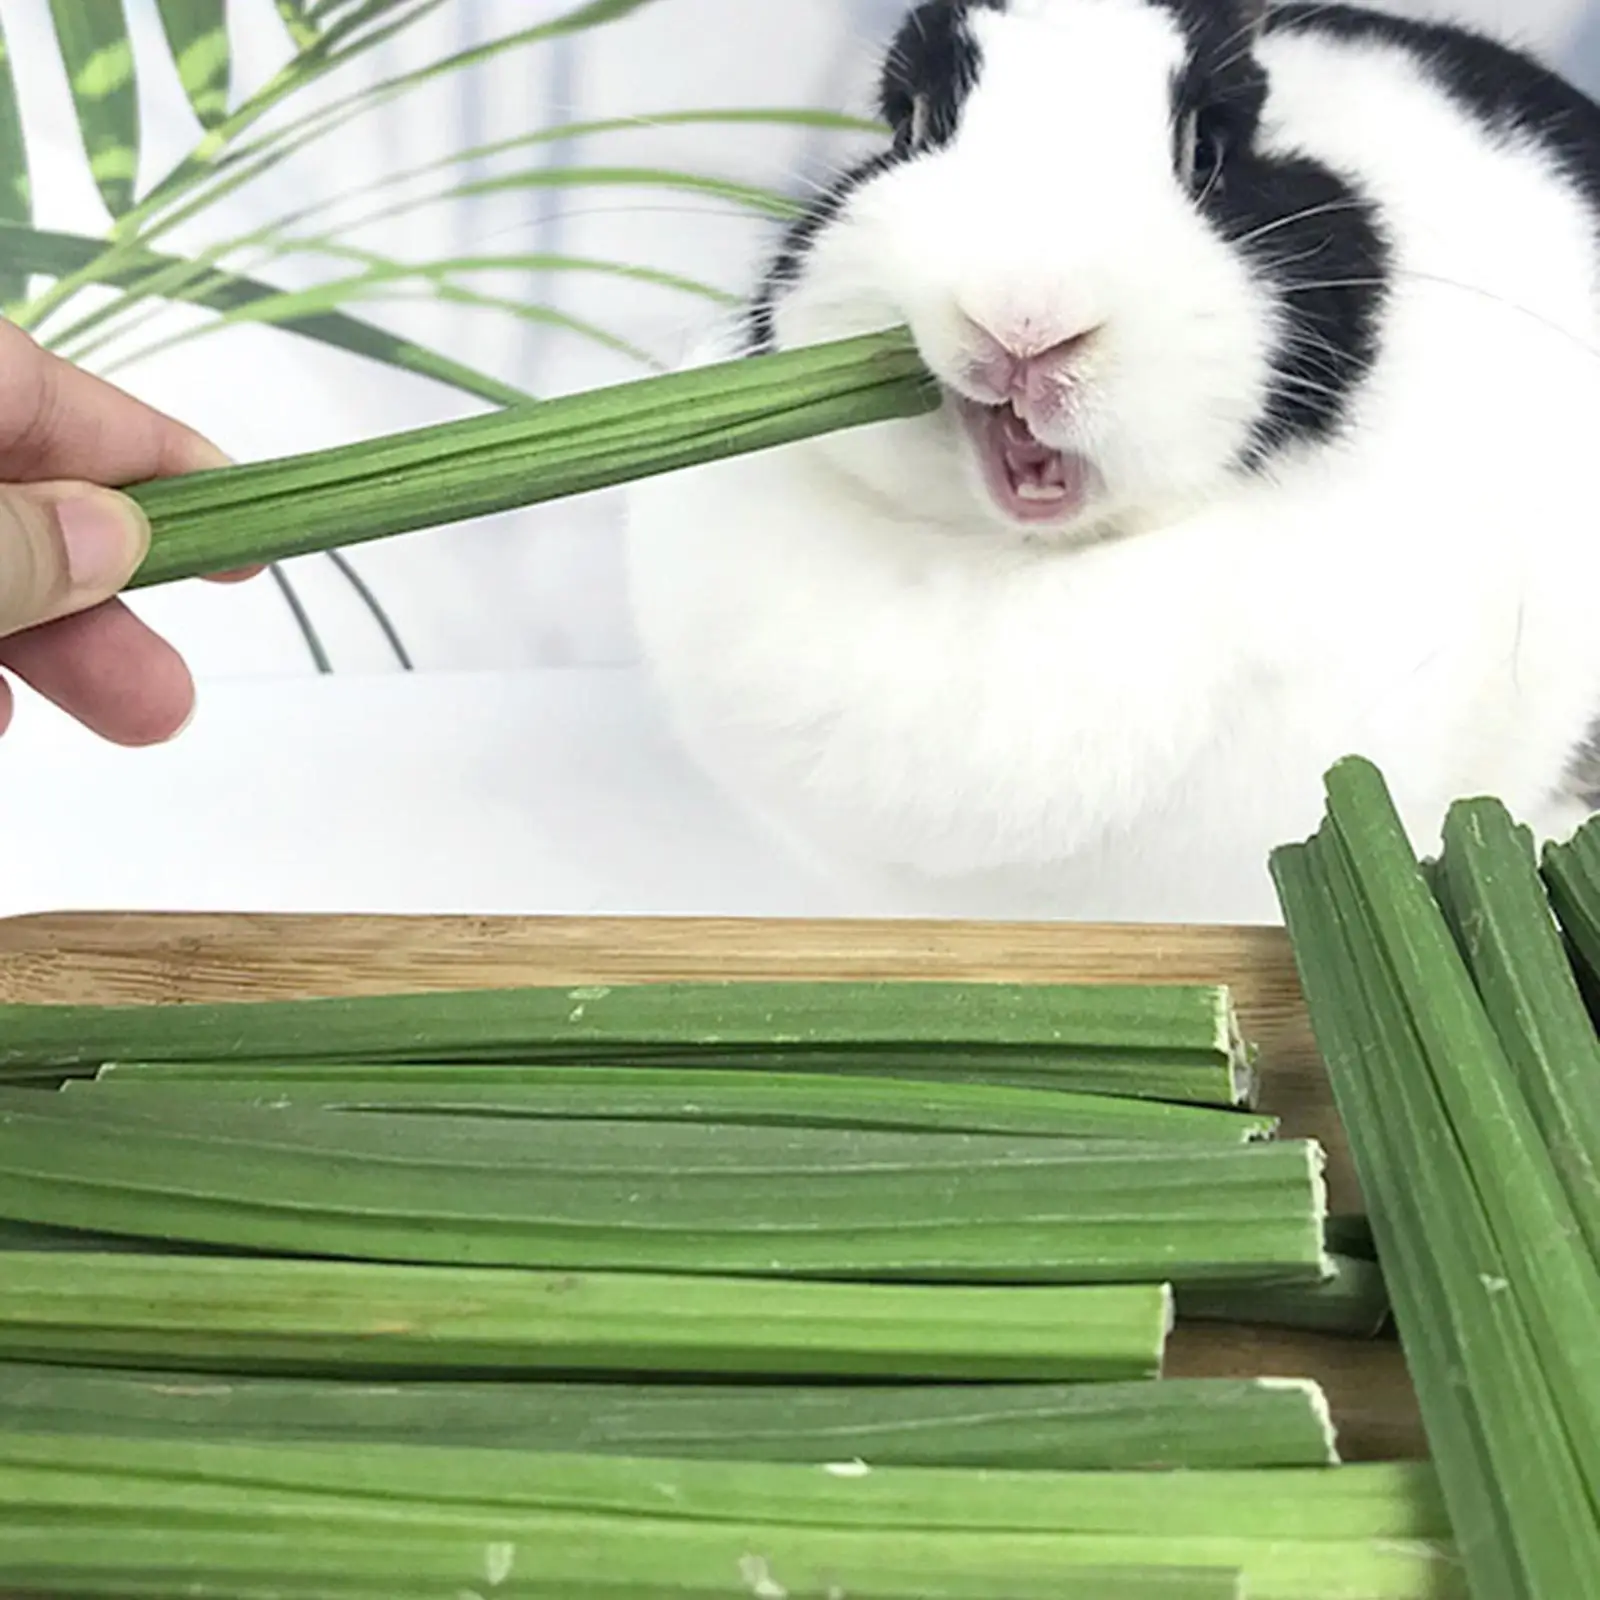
(1498, 911)
(252, 1315)
(270, 511)
(1480, 1336)
(1391, 1500)
(1353, 1302)
(690, 1094)
(1372, 1533)
(1572, 875)
(1150, 1077)
(787, 1202)
(1167, 1042)
(1556, 1279)
(1498, 1424)
(1190, 1424)
(578, 1559)
(1392, 1113)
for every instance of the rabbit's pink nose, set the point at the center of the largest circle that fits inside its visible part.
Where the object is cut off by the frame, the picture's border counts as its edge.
(1027, 363)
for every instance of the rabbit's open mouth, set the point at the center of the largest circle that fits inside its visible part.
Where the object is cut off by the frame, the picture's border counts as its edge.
(1030, 480)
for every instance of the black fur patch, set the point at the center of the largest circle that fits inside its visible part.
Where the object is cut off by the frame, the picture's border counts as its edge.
(1582, 778)
(1218, 92)
(1220, 70)
(1308, 234)
(1216, 27)
(1321, 248)
(934, 60)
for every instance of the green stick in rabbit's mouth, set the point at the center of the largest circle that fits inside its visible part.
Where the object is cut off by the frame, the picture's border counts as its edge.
(269, 511)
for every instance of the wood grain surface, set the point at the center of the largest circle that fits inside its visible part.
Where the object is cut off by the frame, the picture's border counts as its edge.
(175, 959)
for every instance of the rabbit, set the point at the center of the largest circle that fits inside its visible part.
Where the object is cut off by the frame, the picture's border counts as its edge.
(1267, 344)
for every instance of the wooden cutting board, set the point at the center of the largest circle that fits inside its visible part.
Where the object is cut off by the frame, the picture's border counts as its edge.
(140, 958)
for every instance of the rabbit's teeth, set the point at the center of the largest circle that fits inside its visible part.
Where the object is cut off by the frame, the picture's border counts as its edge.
(1030, 481)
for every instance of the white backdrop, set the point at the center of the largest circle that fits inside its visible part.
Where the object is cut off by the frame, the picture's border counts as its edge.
(521, 766)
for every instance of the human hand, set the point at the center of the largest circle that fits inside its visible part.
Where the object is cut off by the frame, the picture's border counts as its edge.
(68, 545)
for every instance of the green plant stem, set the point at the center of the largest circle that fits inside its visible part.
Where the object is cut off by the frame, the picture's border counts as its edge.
(289, 308)
(1367, 1533)
(1557, 1282)
(1572, 876)
(1161, 1041)
(31, 250)
(1198, 1424)
(1354, 1302)
(145, 221)
(1419, 1082)
(621, 1196)
(761, 200)
(251, 1315)
(1370, 1047)
(212, 521)
(171, 282)
(688, 1094)
(1496, 905)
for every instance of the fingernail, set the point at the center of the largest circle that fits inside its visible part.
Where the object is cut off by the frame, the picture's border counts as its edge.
(106, 536)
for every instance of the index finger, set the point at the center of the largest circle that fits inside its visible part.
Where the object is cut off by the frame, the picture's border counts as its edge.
(58, 421)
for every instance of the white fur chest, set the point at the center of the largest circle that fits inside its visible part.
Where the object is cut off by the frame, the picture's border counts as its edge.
(1119, 733)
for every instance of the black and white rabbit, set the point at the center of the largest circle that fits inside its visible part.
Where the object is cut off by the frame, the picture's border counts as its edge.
(1270, 339)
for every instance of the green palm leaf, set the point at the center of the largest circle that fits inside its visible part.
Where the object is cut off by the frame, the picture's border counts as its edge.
(144, 222)
(763, 200)
(25, 250)
(170, 282)
(298, 24)
(209, 161)
(197, 35)
(381, 276)
(93, 39)
(325, 12)
(391, 283)
(450, 266)
(345, 20)
(272, 152)
(16, 191)
(342, 21)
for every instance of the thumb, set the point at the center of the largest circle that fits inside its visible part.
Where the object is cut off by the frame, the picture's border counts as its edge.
(64, 547)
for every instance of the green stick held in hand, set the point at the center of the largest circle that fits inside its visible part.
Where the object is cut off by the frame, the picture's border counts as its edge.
(243, 516)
